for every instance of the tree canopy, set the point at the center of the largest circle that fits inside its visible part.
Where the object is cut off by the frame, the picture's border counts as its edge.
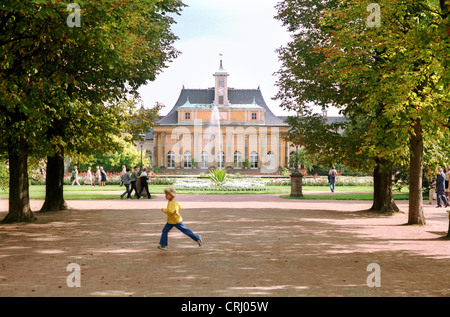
(58, 78)
(391, 80)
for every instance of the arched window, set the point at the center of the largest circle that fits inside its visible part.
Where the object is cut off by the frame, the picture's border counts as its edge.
(272, 160)
(237, 159)
(204, 158)
(221, 159)
(254, 159)
(171, 159)
(187, 158)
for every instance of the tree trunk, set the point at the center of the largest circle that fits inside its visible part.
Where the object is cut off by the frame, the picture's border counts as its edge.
(383, 198)
(19, 197)
(416, 215)
(54, 184)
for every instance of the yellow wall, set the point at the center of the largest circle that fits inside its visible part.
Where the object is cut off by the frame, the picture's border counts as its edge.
(189, 137)
(226, 116)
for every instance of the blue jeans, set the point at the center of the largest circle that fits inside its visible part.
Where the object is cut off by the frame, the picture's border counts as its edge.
(332, 183)
(127, 186)
(180, 226)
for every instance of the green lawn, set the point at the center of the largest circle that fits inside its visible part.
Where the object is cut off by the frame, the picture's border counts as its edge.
(114, 191)
(352, 196)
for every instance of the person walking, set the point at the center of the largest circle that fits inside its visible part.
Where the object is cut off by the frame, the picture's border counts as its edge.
(431, 178)
(144, 184)
(440, 187)
(98, 176)
(122, 174)
(332, 178)
(133, 180)
(88, 179)
(126, 182)
(74, 176)
(447, 183)
(103, 176)
(174, 220)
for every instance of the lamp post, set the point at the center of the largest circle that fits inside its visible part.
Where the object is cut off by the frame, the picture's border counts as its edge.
(296, 176)
(141, 142)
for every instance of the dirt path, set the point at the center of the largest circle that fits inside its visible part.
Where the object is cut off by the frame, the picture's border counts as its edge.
(255, 245)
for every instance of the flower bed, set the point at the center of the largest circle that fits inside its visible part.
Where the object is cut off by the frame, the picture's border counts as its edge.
(323, 181)
(229, 185)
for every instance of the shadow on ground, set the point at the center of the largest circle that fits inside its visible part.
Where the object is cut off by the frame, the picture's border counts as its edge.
(247, 252)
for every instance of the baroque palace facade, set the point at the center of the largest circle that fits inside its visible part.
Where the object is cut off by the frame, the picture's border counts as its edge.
(220, 127)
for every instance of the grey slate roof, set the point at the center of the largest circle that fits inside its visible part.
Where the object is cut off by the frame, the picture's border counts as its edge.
(206, 96)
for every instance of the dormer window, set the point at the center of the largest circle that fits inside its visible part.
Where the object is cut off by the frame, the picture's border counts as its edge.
(254, 115)
(187, 116)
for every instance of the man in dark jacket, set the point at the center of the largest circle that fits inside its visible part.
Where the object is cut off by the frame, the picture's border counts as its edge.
(440, 186)
(133, 180)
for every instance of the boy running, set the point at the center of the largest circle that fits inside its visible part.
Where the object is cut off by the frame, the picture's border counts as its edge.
(174, 220)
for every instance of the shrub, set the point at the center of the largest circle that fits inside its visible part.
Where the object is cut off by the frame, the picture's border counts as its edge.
(218, 176)
(285, 172)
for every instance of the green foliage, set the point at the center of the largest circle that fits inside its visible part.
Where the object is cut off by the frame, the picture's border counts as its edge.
(66, 89)
(391, 82)
(286, 172)
(304, 159)
(124, 154)
(383, 78)
(4, 175)
(218, 176)
(141, 120)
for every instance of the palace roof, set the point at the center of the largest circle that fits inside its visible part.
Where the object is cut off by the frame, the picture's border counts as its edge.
(204, 98)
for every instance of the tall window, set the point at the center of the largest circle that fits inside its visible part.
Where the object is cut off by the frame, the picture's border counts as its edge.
(204, 159)
(171, 159)
(254, 159)
(221, 159)
(187, 158)
(220, 100)
(272, 159)
(237, 159)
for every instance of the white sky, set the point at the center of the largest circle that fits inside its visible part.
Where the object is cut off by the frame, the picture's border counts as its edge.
(244, 31)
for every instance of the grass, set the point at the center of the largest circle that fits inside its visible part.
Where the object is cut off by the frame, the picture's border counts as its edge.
(113, 192)
(351, 196)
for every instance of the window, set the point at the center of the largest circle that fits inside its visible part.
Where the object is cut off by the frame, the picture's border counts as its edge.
(253, 115)
(221, 82)
(187, 116)
(221, 159)
(254, 160)
(171, 159)
(272, 161)
(220, 100)
(237, 159)
(187, 158)
(204, 159)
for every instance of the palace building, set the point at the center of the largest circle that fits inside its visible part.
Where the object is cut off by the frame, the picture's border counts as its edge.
(220, 127)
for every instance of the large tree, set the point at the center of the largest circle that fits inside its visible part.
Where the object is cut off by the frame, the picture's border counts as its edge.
(410, 79)
(51, 73)
(303, 84)
(391, 77)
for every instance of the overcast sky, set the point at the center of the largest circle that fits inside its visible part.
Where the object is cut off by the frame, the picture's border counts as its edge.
(244, 31)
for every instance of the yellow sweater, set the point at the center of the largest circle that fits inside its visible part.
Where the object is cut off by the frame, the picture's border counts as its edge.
(172, 211)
